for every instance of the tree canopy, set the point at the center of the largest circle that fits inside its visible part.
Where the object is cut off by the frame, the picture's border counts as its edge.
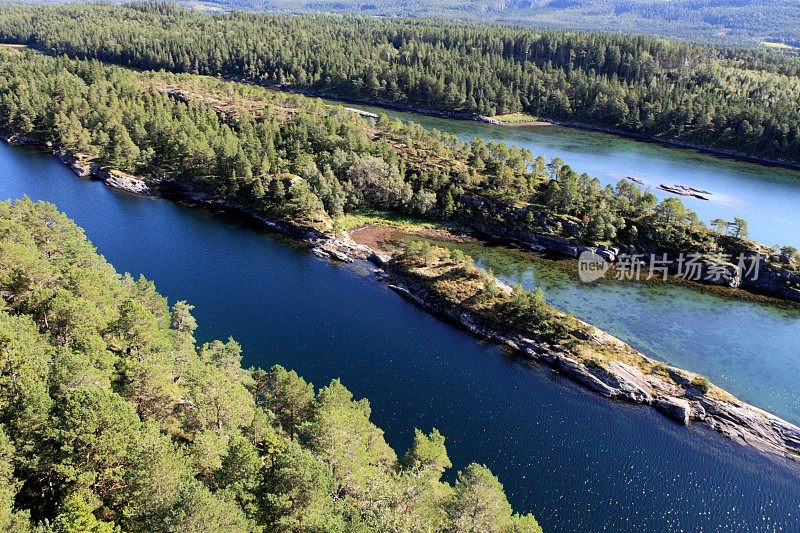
(113, 419)
(305, 164)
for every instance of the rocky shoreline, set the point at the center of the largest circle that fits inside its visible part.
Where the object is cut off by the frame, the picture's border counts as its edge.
(771, 282)
(765, 280)
(675, 398)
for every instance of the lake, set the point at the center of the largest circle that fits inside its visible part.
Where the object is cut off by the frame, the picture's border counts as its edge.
(577, 461)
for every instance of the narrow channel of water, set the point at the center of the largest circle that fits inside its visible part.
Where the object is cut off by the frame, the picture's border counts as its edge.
(579, 462)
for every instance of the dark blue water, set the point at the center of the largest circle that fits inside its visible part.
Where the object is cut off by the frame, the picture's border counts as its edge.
(577, 461)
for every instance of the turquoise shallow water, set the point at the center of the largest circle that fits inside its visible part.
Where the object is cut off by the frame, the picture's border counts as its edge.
(767, 197)
(747, 347)
(579, 462)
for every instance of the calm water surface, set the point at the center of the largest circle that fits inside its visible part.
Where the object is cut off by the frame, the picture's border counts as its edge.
(767, 197)
(579, 462)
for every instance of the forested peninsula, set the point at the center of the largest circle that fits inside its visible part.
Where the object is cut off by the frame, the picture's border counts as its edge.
(308, 166)
(741, 100)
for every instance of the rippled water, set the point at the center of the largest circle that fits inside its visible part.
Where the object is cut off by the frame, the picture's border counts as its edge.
(579, 462)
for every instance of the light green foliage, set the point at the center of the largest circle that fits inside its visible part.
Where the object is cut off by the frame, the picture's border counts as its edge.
(25, 358)
(479, 505)
(95, 431)
(112, 418)
(341, 433)
(225, 356)
(739, 228)
(182, 319)
(427, 457)
(219, 402)
(287, 395)
(423, 465)
(77, 517)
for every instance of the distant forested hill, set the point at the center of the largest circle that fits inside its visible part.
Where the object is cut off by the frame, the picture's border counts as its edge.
(708, 20)
(721, 21)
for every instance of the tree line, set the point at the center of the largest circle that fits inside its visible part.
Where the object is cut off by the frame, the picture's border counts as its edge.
(716, 97)
(113, 419)
(726, 21)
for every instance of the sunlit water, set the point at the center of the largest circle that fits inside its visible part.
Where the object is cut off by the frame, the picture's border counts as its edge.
(581, 463)
(767, 197)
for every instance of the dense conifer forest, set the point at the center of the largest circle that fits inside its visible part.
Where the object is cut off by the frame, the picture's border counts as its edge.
(746, 100)
(299, 161)
(113, 419)
(728, 21)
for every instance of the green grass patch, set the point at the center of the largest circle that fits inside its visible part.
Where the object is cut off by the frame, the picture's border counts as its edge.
(352, 221)
(515, 118)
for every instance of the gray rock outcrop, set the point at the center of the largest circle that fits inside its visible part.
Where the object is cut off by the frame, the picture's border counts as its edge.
(125, 182)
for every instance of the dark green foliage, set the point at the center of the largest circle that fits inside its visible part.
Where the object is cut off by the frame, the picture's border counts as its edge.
(113, 419)
(526, 310)
(741, 99)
